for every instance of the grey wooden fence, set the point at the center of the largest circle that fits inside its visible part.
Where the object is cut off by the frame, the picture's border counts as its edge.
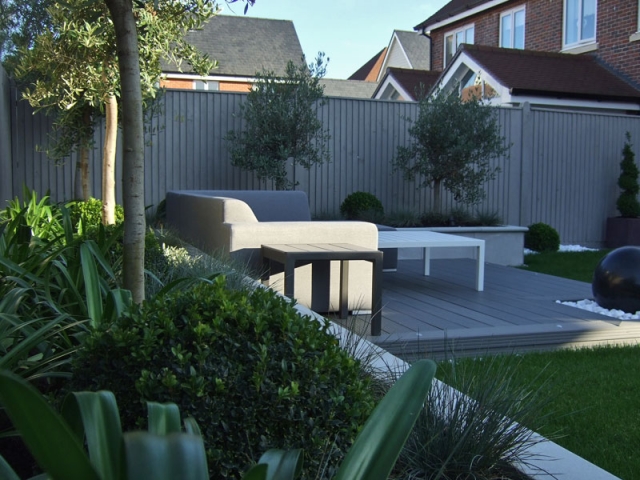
(5, 136)
(562, 168)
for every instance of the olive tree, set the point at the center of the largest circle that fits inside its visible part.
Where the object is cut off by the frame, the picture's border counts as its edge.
(83, 80)
(282, 128)
(452, 145)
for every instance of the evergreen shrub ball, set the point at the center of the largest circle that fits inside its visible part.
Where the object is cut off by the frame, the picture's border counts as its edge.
(616, 280)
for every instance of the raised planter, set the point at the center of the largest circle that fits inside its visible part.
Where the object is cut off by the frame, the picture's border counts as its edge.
(504, 245)
(622, 231)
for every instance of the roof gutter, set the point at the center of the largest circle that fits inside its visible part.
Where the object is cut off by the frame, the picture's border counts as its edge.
(425, 34)
(462, 15)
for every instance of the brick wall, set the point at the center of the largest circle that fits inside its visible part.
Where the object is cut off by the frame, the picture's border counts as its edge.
(177, 83)
(616, 22)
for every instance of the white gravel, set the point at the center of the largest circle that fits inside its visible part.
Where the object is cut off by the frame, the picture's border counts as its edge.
(591, 305)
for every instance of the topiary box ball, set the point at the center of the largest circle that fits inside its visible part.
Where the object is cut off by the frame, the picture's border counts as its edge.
(616, 280)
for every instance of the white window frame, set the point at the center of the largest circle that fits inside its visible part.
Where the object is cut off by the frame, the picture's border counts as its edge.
(636, 36)
(513, 12)
(586, 41)
(454, 33)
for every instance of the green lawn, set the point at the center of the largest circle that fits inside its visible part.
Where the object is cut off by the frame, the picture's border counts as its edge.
(574, 265)
(594, 401)
(594, 393)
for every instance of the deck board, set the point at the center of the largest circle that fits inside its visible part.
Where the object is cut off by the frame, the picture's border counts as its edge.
(442, 314)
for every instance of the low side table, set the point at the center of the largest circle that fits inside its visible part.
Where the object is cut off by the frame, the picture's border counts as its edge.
(320, 254)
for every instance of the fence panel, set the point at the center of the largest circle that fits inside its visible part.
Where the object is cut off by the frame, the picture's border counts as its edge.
(562, 167)
(6, 164)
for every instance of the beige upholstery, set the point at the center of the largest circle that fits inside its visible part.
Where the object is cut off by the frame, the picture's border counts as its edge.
(228, 224)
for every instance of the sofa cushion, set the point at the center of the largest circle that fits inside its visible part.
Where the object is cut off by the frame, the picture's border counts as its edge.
(269, 205)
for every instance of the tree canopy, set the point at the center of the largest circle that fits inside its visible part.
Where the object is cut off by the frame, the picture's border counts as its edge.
(282, 128)
(452, 144)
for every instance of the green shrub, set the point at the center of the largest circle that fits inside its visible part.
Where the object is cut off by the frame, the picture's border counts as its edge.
(542, 238)
(90, 211)
(244, 364)
(627, 203)
(488, 219)
(435, 219)
(359, 204)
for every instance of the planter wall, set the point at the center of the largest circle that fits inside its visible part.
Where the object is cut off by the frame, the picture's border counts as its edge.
(504, 245)
(622, 231)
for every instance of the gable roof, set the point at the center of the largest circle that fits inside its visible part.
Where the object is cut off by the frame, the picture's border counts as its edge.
(526, 72)
(369, 71)
(456, 10)
(416, 47)
(348, 88)
(407, 82)
(245, 45)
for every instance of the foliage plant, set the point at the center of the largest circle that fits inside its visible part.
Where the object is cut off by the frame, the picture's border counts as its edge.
(90, 213)
(244, 364)
(452, 145)
(357, 204)
(166, 452)
(83, 82)
(477, 428)
(542, 238)
(627, 203)
(282, 128)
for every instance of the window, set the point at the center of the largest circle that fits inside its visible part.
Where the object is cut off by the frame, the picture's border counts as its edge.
(206, 85)
(579, 22)
(512, 29)
(453, 40)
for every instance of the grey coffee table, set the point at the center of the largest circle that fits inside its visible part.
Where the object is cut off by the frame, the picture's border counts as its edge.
(320, 255)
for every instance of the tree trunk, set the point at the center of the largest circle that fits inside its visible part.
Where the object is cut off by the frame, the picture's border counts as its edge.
(132, 145)
(82, 187)
(109, 162)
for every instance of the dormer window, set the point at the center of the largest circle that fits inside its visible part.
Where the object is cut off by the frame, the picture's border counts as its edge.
(579, 22)
(453, 40)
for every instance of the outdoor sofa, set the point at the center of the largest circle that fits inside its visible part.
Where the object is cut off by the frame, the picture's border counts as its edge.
(239, 222)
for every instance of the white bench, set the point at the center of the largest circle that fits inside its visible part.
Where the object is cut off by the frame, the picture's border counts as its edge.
(427, 240)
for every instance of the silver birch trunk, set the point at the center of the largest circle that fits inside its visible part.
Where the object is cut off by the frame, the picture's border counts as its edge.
(132, 146)
(109, 162)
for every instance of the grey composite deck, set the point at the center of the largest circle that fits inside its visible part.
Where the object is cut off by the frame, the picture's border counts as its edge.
(443, 314)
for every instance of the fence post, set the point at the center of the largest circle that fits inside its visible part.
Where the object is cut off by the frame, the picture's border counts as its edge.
(6, 160)
(526, 166)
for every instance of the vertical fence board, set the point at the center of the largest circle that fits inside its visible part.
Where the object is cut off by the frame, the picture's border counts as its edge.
(562, 168)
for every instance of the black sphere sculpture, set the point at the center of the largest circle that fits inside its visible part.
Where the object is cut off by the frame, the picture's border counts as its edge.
(616, 280)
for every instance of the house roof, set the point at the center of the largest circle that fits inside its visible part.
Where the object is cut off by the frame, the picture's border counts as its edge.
(348, 88)
(451, 9)
(369, 71)
(528, 72)
(416, 47)
(245, 45)
(409, 80)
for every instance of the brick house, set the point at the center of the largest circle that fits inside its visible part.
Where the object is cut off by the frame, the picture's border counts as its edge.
(607, 30)
(242, 46)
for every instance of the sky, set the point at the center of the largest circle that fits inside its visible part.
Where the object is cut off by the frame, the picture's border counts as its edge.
(349, 32)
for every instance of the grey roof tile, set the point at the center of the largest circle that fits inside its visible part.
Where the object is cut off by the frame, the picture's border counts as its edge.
(246, 45)
(348, 88)
(416, 47)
